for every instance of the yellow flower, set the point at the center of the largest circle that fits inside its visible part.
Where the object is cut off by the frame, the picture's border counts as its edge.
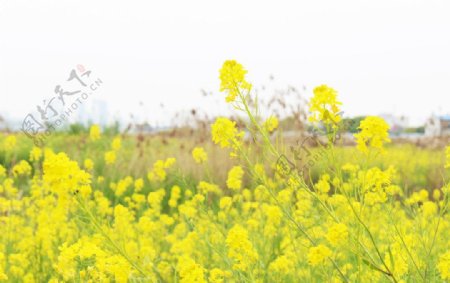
(175, 194)
(190, 271)
(259, 170)
(116, 143)
(158, 172)
(225, 133)
(318, 255)
(138, 184)
(273, 215)
(110, 157)
(165, 269)
(240, 249)
(323, 185)
(199, 155)
(119, 268)
(217, 275)
(444, 265)
(169, 162)
(88, 164)
(400, 266)
(100, 179)
(436, 194)
(225, 203)
(337, 234)
(232, 79)
(271, 124)
(429, 209)
(10, 142)
(122, 185)
(155, 199)
(205, 188)
(21, 169)
(94, 132)
(377, 185)
(324, 106)
(373, 133)
(234, 180)
(63, 176)
(282, 265)
(3, 276)
(35, 154)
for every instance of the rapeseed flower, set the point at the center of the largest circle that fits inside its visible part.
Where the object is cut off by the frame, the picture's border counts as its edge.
(88, 164)
(190, 271)
(225, 133)
(175, 195)
(373, 134)
(35, 154)
(116, 144)
(324, 106)
(271, 124)
(138, 184)
(282, 265)
(217, 275)
(240, 249)
(232, 79)
(9, 143)
(110, 157)
(199, 154)
(158, 172)
(208, 188)
(94, 132)
(444, 265)
(318, 255)
(64, 177)
(234, 181)
(348, 222)
(22, 169)
(337, 234)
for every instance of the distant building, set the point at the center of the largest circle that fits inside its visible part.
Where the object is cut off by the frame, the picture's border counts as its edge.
(437, 126)
(99, 112)
(95, 111)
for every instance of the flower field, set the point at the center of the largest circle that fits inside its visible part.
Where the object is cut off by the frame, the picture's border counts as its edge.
(238, 206)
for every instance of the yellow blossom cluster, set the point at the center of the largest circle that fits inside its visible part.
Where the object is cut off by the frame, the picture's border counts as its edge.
(271, 124)
(324, 106)
(158, 172)
(66, 216)
(225, 133)
(199, 155)
(94, 132)
(373, 134)
(232, 78)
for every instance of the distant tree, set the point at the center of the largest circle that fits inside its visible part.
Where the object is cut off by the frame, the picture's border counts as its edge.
(351, 124)
(77, 128)
(419, 130)
(112, 130)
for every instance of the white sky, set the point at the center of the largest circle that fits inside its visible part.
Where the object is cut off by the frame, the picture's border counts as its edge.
(382, 56)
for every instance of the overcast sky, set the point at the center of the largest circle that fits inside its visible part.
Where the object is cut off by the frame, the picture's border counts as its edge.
(382, 56)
